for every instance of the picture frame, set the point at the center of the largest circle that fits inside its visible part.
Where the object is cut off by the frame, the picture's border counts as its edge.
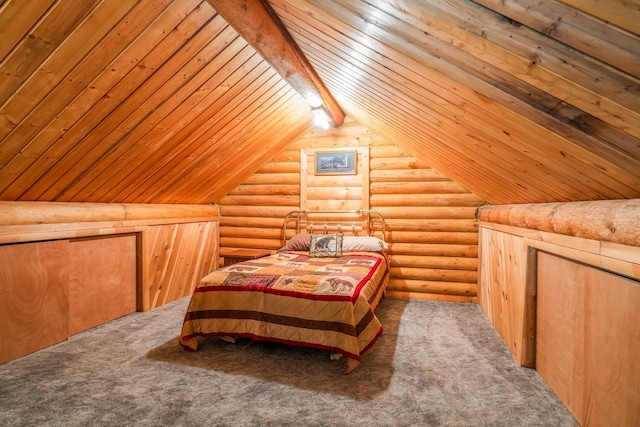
(336, 163)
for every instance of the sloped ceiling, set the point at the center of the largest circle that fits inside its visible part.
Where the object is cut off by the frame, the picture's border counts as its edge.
(161, 102)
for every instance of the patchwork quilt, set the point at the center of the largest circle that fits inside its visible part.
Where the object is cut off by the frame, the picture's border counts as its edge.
(325, 303)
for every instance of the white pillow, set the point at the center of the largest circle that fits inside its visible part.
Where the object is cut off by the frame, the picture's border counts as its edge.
(363, 244)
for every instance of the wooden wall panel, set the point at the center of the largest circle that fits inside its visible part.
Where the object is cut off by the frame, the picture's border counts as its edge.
(119, 257)
(34, 299)
(102, 280)
(432, 231)
(175, 257)
(588, 332)
(507, 290)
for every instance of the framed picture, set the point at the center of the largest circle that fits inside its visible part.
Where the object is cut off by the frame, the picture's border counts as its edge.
(336, 163)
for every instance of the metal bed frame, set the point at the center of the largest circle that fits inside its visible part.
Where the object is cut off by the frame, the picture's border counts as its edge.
(363, 220)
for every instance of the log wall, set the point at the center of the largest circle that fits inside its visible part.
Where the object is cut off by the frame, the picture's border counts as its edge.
(431, 225)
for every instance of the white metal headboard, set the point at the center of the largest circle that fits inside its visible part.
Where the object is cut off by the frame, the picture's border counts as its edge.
(354, 222)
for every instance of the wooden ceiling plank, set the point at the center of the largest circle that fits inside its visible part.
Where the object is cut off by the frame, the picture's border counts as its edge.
(557, 58)
(25, 59)
(59, 65)
(412, 90)
(574, 28)
(600, 140)
(464, 172)
(187, 122)
(229, 170)
(227, 112)
(586, 174)
(416, 128)
(459, 166)
(16, 19)
(242, 139)
(18, 146)
(290, 123)
(255, 22)
(612, 101)
(220, 108)
(122, 100)
(530, 155)
(186, 88)
(622, 13)
(221, 105)
(479, 160)
(57, 137)
(211, 116)
(207, 160)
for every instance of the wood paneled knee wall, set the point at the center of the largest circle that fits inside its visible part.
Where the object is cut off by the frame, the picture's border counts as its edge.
(81, 264)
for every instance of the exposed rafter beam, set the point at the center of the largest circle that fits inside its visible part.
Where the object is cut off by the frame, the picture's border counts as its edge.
(259, 25)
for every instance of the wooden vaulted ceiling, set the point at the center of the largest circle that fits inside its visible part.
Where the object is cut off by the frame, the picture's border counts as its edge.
(161, 101)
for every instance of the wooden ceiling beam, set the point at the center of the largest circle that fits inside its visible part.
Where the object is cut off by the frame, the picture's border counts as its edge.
(260, 26)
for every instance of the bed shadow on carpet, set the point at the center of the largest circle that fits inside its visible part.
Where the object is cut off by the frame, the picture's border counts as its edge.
(300, 367)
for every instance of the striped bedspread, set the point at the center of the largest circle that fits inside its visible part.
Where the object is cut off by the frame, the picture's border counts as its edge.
(325, 303)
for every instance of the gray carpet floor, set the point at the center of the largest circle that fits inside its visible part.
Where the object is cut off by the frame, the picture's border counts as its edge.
(437, 364)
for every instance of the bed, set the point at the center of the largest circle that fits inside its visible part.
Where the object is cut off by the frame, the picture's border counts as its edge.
(320, 289)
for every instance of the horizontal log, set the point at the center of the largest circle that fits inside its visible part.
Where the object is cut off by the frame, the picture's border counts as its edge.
(434, 274)
(417, 249)
(467, 199)
(333, 193)
(406, 175)
(334, 204)
(432, 224)
(429, 296)
(273, 178)
(432, 237)
(391, 163)
(280, 167)
(287, 156)
(267, 190)
(243, 252)
(255, 233)
(238, 242)
(426, 212)
(381, 151)
(73, 230)
(449, 263)
(251, 221)
(270, 200)
(334, 181)
(260, 211)
(438, 187)
(436, 287)
(616, 221)
(22, 213)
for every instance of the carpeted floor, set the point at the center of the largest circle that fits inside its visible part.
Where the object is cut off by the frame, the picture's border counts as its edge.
(437, 364)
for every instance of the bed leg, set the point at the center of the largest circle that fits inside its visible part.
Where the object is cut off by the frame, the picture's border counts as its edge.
(351, 365)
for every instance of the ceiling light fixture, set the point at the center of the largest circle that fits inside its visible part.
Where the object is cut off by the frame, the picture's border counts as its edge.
(320, 118)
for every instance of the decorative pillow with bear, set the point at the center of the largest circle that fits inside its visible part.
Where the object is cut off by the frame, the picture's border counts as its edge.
(325, 245)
